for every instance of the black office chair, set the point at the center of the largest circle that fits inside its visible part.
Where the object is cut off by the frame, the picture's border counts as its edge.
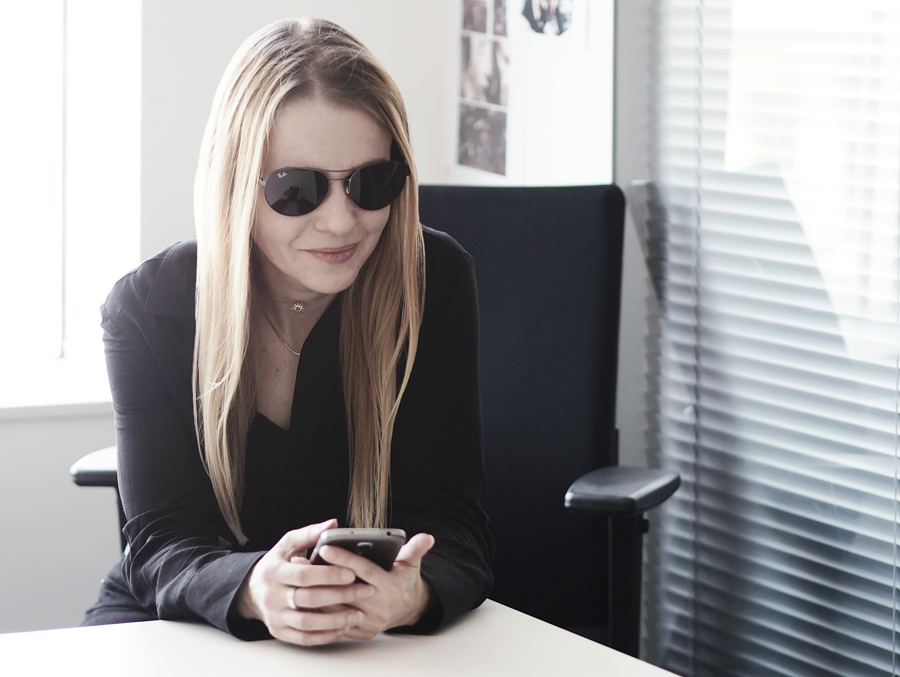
(549, 267)
(548, 263)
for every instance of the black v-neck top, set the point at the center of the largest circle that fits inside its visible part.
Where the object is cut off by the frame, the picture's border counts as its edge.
(301, 475)
(182, 560)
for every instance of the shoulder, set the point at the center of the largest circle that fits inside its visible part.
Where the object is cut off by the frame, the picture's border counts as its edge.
(451, 305)
(162, 285)
(443, 250)
(447, 264)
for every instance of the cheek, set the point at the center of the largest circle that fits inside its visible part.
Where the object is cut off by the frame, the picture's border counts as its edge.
(374, 226)
(275, 229)
(262, 228)
(374, 223)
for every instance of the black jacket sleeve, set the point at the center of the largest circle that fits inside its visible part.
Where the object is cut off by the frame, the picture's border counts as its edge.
(181, 561)
(437, 473)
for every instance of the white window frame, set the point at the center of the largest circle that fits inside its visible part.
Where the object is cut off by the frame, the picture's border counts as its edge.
(102, 187)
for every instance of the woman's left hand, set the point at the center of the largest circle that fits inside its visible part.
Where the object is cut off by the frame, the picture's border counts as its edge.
(401, 595)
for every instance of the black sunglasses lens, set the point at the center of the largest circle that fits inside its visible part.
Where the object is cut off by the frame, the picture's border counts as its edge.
(376, 186)
(294, 192)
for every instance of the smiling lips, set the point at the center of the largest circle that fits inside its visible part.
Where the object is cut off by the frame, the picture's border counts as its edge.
(334, 254)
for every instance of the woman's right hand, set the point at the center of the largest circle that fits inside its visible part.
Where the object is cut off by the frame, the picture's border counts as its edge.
(323, 595)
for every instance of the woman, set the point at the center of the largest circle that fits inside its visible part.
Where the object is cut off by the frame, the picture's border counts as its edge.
(287, 372)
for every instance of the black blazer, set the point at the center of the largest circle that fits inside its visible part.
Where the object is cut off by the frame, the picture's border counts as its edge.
(182, 560)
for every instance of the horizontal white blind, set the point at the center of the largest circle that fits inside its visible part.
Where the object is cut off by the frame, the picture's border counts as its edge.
(772, 241)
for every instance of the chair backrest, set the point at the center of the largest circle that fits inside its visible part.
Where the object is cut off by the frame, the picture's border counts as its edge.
(548, 262)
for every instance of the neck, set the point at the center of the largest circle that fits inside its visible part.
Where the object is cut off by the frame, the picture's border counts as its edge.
(278, 298)
(292, 326)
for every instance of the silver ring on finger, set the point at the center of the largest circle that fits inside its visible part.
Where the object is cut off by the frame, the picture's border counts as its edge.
(290, 599)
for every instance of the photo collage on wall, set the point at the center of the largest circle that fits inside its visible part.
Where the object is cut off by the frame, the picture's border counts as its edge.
(484, 75)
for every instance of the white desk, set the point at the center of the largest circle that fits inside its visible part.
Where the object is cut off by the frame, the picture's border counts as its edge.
(492, 640)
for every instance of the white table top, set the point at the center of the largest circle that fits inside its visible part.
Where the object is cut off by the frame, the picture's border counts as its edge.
(492, 640)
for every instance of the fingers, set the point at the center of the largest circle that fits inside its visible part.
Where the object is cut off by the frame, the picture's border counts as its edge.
(415, 549)
(309, 638)
(321, 598)
(309, 628)
(317, 616)
(305, 575)
(344, 560)
(313, 621)
(300, 540)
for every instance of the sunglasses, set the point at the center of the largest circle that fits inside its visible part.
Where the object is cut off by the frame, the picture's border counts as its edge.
(294, 192)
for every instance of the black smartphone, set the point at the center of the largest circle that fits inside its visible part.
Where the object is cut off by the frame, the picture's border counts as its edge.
(378, 545)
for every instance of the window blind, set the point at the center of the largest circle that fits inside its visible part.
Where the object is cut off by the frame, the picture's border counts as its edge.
(771, 236)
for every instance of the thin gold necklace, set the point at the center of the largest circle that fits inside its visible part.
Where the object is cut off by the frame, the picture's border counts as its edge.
(279, 335)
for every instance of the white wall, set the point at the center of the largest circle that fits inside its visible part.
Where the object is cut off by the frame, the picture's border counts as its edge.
(58, 540)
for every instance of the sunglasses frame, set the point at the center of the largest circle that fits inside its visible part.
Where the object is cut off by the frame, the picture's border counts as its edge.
(347, 180)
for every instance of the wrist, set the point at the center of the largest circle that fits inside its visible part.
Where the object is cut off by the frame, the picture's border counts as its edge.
(424, 597)
(244, 604)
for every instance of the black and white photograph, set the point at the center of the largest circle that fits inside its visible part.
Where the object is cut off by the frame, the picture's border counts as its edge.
(475, 15)
(482, 138)
(483, 70)
(500, 18)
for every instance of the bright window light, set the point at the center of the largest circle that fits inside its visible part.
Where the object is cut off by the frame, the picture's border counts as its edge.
(31, 180)
(70, 190)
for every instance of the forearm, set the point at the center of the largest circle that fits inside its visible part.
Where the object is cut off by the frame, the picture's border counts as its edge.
(179, 576)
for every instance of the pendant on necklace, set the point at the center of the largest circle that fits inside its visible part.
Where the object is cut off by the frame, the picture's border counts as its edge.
(298, 307)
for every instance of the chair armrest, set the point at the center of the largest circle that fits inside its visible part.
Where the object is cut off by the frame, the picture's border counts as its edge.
(619, 491)
(97, 469)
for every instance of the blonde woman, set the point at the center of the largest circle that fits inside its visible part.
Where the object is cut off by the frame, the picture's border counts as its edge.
(309, 360)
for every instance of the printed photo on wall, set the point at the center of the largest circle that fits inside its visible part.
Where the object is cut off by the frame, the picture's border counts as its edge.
(482, 138)
(484, 70)
(500, 18)
(475, 15)
(550, 17)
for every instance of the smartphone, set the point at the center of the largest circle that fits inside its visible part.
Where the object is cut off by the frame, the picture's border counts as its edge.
(378, 545)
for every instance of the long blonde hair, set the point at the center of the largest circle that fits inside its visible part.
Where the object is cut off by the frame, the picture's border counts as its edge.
(381, 311)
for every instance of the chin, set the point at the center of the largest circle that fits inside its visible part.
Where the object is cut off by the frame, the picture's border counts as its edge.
(331, 285)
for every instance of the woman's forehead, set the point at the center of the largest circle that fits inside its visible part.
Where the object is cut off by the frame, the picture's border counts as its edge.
(316, 133)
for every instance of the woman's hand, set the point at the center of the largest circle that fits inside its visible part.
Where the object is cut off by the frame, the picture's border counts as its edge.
(323, 597)
(399, 596)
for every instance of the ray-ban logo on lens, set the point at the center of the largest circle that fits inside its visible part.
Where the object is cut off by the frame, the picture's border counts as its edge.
(281, 175)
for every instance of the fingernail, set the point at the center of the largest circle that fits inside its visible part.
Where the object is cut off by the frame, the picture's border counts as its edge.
(356, 618)
(348, 576)
(367, 591)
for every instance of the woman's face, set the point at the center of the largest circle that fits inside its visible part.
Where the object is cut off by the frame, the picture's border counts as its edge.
(319, 253)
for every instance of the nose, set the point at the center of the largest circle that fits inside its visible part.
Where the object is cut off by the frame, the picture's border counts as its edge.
(337, 214)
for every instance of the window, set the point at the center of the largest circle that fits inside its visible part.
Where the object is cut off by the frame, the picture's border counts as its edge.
(71, 185)
(31, 185)
(772, 240)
